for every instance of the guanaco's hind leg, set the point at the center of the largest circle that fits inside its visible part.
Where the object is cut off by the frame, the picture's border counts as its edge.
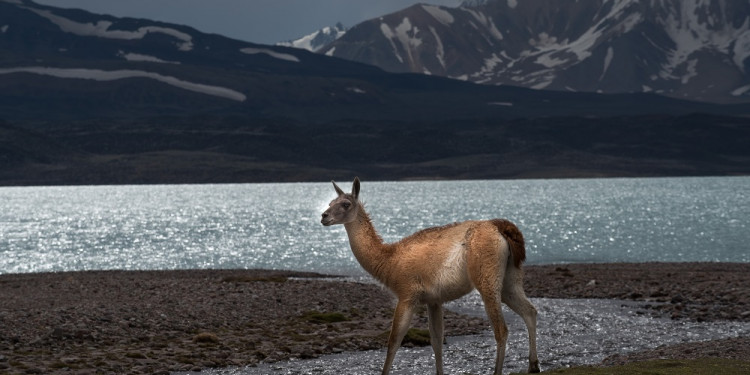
(401, 320)
(486, 263)
(514, 296)
(436, 334)
(492, 306)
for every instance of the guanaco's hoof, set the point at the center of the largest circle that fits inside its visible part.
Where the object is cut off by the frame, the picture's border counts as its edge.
(534, 368)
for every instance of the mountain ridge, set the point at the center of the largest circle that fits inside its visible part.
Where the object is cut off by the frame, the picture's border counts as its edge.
(318, 39)
(93, 99)
(694, 49)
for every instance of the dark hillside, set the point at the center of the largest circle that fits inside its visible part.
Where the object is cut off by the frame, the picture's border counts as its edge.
(138, 101)
(206, 150)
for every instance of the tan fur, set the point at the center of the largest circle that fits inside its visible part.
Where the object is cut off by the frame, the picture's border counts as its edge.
(440, 264)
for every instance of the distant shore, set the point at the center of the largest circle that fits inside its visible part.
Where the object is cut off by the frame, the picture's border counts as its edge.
(161, 321)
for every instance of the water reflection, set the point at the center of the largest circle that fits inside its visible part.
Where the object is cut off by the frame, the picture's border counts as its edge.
(277, 225)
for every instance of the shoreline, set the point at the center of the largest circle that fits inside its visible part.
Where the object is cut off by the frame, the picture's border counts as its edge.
(185, 320)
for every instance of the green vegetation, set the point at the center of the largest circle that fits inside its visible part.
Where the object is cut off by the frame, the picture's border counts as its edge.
(701, 366)
(413, 337)
(416, 336)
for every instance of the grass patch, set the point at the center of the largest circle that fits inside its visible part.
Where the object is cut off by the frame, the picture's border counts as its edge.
(417, 337)
(702, 366)
(413, 337)
(323, 318)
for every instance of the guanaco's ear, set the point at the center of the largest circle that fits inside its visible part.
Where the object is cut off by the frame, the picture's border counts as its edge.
(355, 188)
(338, 189)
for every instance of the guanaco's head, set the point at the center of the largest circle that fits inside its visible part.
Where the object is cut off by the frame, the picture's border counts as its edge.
(344, 208)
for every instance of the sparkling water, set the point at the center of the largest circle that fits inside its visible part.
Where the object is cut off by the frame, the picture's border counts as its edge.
(278, 226)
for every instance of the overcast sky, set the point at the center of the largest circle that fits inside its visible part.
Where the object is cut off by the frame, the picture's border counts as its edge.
(259, 21)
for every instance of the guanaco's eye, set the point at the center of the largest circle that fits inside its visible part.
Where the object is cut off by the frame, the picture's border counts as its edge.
(346, 205)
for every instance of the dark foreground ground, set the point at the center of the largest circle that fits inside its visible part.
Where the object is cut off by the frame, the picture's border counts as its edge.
(161, 321)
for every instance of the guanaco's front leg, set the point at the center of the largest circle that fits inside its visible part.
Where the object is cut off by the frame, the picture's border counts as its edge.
(436, 335)
(401, 320)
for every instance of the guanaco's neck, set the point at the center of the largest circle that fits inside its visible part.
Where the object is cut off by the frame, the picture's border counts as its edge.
(368, 247)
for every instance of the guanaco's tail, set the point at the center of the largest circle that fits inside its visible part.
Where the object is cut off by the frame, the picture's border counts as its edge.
(515, 239)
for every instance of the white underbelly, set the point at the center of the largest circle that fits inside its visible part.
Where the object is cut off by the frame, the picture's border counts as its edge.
(452, 279)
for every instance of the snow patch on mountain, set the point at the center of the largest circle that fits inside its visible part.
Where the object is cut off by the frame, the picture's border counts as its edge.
(137, 57)
(406, 35)
(698, 49)
(607, 61)
(440, 51)
(742, 90)
(741, 50)
(318, 39)
(390, 35)
(409, 42)
(112, 75)
(274, 54)
(473, 3)
(439, 14)
(490, 64)
(485, 22)
(102, 29)
(690, 35)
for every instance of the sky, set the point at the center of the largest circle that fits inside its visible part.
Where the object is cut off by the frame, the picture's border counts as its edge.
(257, 21)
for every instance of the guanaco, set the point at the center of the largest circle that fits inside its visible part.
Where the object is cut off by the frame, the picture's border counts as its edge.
(440, 264)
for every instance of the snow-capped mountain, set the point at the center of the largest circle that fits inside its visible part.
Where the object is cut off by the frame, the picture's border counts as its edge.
(88, 98)
(74, 63)
(694, 49)
(318, 39)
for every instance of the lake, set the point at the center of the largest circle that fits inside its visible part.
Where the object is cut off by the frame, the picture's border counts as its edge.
(277, 226)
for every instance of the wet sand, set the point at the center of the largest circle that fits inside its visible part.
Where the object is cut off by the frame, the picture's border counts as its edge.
(162, 321)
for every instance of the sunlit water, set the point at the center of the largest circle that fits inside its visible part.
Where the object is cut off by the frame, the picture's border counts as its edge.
(277, 225)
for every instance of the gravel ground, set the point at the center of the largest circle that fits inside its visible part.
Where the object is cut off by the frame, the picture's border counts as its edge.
(161, 321)
(696, 291)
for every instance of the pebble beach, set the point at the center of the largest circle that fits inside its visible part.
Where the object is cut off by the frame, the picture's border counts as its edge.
(157, 322)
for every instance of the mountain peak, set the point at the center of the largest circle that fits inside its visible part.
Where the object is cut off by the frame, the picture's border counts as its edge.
(694, 49)
(318, 39)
